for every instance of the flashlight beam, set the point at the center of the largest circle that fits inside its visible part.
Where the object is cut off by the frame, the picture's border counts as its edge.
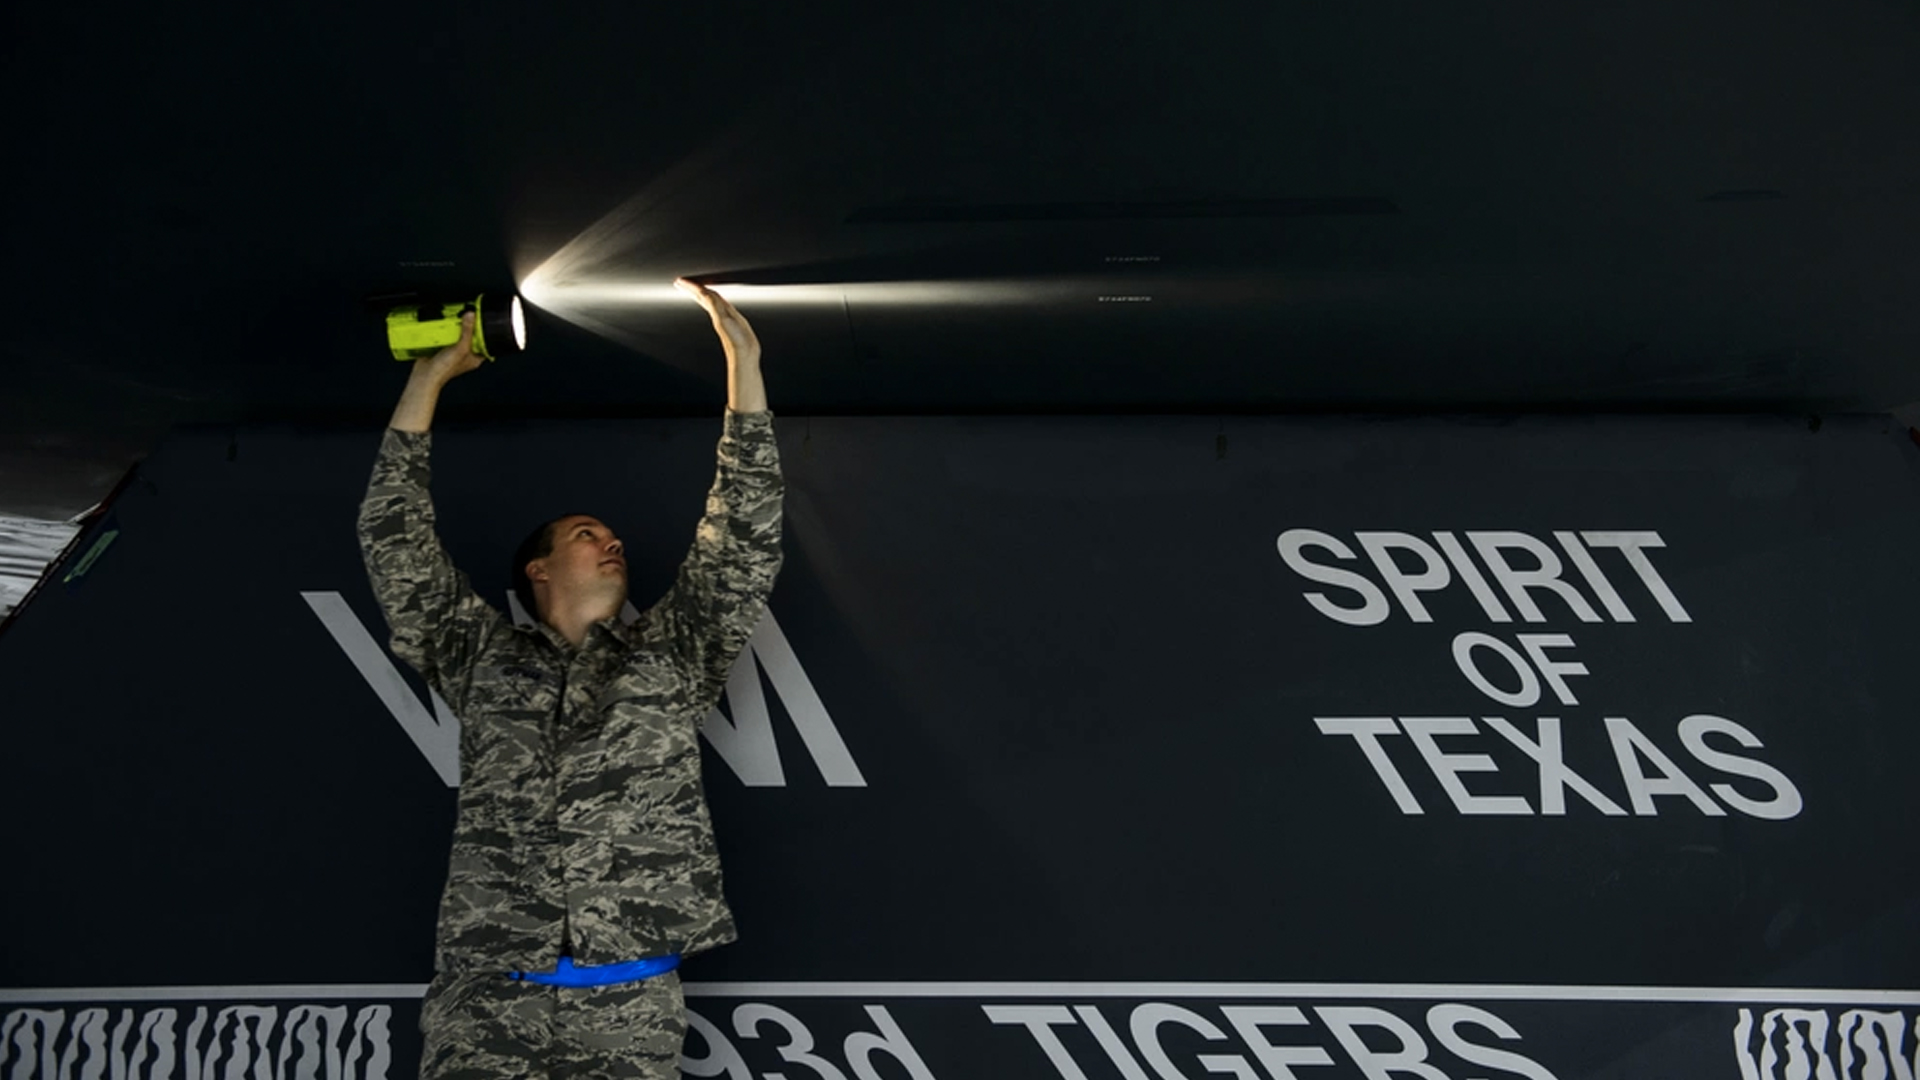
(560, 297)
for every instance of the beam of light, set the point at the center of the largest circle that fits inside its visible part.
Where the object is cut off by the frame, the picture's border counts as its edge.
(631, 312)
(655, 223)
(614, 278)
(670, 227)
(610, 296)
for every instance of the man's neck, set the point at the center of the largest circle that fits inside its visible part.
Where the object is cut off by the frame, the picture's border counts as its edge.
(574, 623)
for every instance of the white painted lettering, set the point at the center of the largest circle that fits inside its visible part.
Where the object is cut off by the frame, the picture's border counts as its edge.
(1445, 1020)
(1405, 587)
(1109, 1041)
(1464, 644)
(1470, 574)
(798, 1049)
(1373, 607)
(1597, 581)
(1536, 646)
(1631, 545)
(1423, 730)
(1877, 1036)
(1786, 801)
(746, 742)
(1629, 747)
(1146, 1023)
(312, 1041)
(1039, 1020)
(1806, 1043)
(435, 734)
(1410, 1057)
(1555, 777)
(1278, 1060)
(1516, 582)
(721, 1058)
(861, 1046)
(1366, 731)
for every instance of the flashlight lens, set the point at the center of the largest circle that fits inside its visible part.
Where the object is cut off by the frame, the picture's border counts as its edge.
(519, 325)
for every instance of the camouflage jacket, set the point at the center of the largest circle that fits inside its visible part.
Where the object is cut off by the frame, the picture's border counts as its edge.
(581, 812)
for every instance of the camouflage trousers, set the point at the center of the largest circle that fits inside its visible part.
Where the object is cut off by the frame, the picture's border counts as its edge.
(488, 1027)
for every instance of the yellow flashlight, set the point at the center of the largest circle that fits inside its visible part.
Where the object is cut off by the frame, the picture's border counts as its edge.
(416, 331)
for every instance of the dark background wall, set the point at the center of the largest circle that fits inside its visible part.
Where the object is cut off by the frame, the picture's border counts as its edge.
(1093, 720)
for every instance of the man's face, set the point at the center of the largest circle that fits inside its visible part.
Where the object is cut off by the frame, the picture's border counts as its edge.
(588, 563)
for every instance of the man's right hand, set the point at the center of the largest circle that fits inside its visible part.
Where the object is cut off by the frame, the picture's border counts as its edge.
(453, 361)
(422, 395)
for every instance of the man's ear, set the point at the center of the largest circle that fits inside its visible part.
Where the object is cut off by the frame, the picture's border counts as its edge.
(537, 570)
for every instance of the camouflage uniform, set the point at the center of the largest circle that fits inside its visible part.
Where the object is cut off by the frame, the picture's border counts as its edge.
(581, 814)
(489, 1027)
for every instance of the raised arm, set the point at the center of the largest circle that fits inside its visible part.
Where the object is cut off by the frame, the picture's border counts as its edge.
(439, 623)
(745, 392)
(721, 591)
(414, 413)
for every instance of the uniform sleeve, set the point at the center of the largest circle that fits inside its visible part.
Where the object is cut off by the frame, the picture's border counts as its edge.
(439, 624)
(721, 591)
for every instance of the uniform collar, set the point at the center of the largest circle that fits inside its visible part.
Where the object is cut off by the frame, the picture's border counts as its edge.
(613, 626)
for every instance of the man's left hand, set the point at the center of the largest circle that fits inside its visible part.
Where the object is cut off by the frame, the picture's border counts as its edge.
(735, 334)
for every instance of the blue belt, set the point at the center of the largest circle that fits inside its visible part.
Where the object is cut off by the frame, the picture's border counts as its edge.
(567, 974)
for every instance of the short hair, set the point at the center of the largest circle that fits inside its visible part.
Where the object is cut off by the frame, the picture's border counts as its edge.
(537, 545)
